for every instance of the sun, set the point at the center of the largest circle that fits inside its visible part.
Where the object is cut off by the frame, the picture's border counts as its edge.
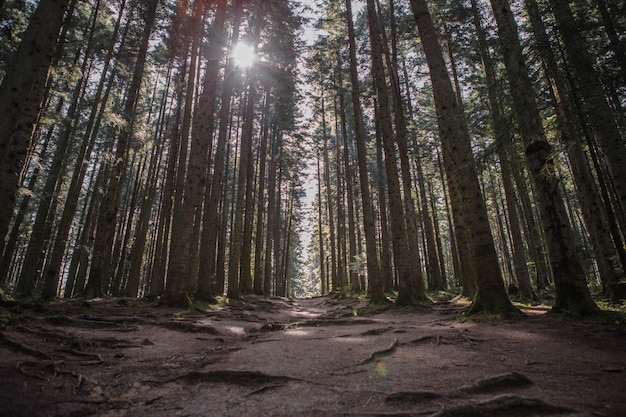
(243, 54)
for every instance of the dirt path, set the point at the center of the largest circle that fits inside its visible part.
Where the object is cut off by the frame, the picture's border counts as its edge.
(315, 357)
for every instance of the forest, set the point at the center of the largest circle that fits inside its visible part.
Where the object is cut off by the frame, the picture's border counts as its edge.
(190, 178)
(385, 147)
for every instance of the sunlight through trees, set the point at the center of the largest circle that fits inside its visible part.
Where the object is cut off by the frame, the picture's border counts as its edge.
(189, 150)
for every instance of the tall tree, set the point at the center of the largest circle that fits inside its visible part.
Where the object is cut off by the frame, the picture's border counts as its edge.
(410, 286)
(22, 91)
(107, 217)
(187, 215)
(375, 288)
(459, 162)
(571, 286)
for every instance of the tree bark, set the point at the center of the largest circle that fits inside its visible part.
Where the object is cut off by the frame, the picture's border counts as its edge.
(107, 216)
(22, 91)
(375, 288)
(182, 274)
(572, 292)
(459, 161)
(410, 286)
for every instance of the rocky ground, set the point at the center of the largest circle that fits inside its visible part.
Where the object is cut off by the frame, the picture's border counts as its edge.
(314, 357)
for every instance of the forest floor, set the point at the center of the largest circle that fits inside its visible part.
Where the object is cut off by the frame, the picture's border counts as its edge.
(322, 356)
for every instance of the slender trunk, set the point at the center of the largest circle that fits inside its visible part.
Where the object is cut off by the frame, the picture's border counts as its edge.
(270, 243)
(376, 289)
(260, 221)
(410, 286)
(329, 206)
(107, 217)
(245, 270)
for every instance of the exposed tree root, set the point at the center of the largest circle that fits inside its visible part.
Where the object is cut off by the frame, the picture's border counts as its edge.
(334, 321)
(380, 353)
(188, 327)
(240, 378)
(419, 340)
(89, 322)
(441, 340)
(499, 382)
(265, 388)
(376, 332)
(411, 397)
(19, 347)
(97, 357)
(56, 368)
(509, 405)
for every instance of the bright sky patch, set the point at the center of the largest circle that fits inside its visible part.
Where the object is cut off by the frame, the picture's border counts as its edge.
(243, 54)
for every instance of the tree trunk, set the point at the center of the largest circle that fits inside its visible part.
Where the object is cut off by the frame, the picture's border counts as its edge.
(410, 286)
(182, 274)
(503, 148)
(107, 216)
(375, 287)
(261, 201)
(596, 107)
(459, 161)
(22, 91)
(572, 292)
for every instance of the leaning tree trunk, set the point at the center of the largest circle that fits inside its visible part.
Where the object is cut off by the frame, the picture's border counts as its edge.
(571, 286)
(22, 91)
(600, 115)
(593, 211)
(503, 147)
(459, 161)
(99, 100)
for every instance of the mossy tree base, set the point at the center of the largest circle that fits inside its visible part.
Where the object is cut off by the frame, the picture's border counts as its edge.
(577, 307)
(499, 306)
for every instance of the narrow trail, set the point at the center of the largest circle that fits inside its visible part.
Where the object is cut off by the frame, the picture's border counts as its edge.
(314, 357)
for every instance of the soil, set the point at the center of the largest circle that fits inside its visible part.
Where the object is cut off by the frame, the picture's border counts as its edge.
(323, 356)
